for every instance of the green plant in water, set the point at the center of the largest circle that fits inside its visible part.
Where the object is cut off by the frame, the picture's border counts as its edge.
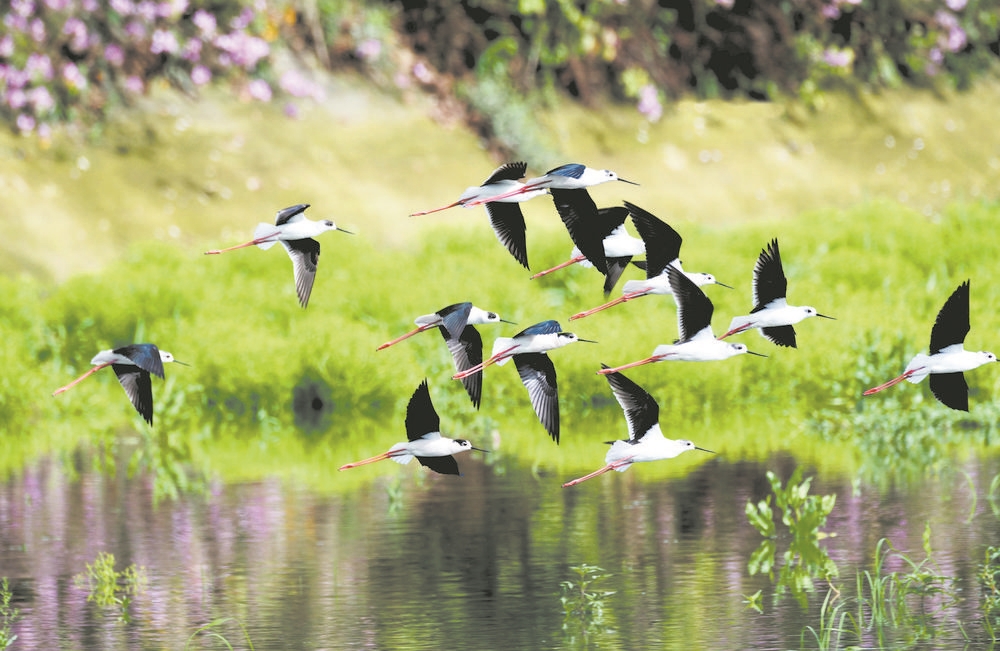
(833, 617)
(890, 597)
(109, 588)
(8, 615)
(583, 607)
(989, 581)
(803, 515)
(209, 630)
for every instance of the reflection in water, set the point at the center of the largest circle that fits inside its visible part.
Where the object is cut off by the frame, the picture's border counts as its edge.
(474, 562)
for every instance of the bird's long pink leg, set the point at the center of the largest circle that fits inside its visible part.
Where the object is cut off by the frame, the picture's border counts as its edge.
(745, 326)
(600, 471)
(81, 378)
(427, 212)
(479, 367)
(254, 242)
(648, 360)
(406, 336)
(563, 265)
(893, 382)
(599, 308)
(364, 462)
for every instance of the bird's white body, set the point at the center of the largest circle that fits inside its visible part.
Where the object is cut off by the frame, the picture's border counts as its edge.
(510, 346)
(588, 178)
(477, 316)
(111, 357)
(952, 359)
(297, 228)
(661, 284)
(702, 347)
(431, 444)
(653, 446)
(776, 313)
(617, 245)
(477, 194)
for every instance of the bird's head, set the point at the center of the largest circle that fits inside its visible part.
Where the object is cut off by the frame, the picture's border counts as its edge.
(166, 357)
(466, 445)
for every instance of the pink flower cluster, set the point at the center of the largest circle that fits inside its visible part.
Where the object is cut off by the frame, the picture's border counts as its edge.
(57, 53)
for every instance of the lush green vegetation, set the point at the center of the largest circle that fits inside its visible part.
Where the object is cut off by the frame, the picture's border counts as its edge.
(305, 390)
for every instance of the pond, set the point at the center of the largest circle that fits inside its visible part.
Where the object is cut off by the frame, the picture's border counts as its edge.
(407, 559)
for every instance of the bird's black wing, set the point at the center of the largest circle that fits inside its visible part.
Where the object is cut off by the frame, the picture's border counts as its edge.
(769, 280)
(286, 215)
(305, 256)
(578, 213)
(508, 225)
(539, 377)
(137, 387)
(952, 323)
(780, 335)
(145, 356)
(663, 243)
(641, 410)
(421, 418)
(467, 351)
(453, 318)
(694, 309)
(951, 389)
(616, 267)
(507, 172)
(443, 465)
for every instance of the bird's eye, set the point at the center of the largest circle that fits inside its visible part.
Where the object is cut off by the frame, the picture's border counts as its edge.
(492, 315)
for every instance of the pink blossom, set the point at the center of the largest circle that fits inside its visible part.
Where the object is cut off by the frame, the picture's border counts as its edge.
(38, 66)
(6, 46)
(114, 54)
(40, 98)
(649, 103)
(25, 123)
(37, 29)
(123, 7)
(133, 84)
(16, 98)
(164, 42)
(200, 75)
(837, 58)
(44, 131)
(296, 84)
(57, 5)
(422, 72)
(830, 12)
(77, 31)
(291, 111)
(243, 20)
(368, 49)
(23, 8)
(259, 90)
(16, 78)
(146, 10)
(171, 8)
(243, 50)
(725, 4)
(73, 76)
(192, 50)
(135, 30)
(205, 22)
(956, 5)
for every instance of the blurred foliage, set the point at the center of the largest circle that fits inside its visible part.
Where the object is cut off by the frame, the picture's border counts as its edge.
(8, 614)
(110, 588)
(989, 583)
(583, 606)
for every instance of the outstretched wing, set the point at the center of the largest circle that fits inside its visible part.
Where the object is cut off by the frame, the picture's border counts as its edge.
(951, 389)
(305, 256)
(578, 213)
(137, 387)
(467, 351)
(421, 418)
(769, 282)
(539, 377)
(441, 465)
(952, 323)
(641, 410)
(507, 172)
(145, 356)
(507, 221)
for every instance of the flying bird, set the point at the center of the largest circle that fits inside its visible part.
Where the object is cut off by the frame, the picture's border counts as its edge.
(771, 313)
(295, 232)
(504, 212)
(538, 375)
(694, 323)
(645, 438)
(948, 359)
(424, 440)
(456, 324)
(132, 364)
(572, 176)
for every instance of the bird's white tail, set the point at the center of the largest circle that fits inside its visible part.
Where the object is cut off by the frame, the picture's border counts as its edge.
(634, 286)
(499, 346)
(264, 231)
(916, 370)
(402, 458)
(739, 323)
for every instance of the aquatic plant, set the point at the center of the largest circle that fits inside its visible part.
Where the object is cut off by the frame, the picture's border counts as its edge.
(989, 582)
(110, 588)
(803, 515)
(209, 630)
(8, 615)
(583, 607)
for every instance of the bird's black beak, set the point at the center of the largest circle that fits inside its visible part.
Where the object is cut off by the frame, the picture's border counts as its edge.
(477, 449)
(825, 316)
(177, 361)
(343, 231)
(704, 450)
(627, 181)
(589, 341)
(506, 321)
(750, 352)
(724, 285)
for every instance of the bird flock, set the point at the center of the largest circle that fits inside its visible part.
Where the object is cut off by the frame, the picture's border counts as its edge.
(599, 241)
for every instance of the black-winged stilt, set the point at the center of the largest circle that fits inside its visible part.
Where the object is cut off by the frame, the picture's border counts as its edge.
(948, 359)
(572, 176)
(771, 313)
(505, 214)
(645, 438)
(696, 343)
(295, 232)
(455, 323)
(663, 247)
(132, 364)
(424, 440)
(538, 375)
